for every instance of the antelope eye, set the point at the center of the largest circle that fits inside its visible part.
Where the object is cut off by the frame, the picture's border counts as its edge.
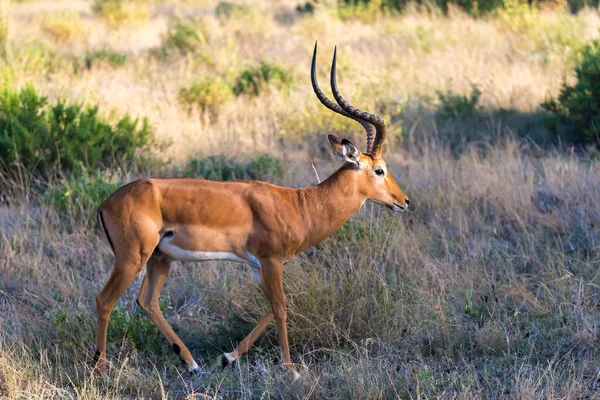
(379, 172)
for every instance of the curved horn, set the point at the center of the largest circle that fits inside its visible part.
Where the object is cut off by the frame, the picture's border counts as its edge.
(336, 107)
(373, 119)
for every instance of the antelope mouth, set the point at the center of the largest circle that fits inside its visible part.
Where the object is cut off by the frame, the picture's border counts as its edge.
(397, 207)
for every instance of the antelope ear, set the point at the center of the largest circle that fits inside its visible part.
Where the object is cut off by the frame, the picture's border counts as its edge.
(344, 150)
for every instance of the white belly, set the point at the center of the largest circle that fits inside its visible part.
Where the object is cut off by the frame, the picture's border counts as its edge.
(177, 253)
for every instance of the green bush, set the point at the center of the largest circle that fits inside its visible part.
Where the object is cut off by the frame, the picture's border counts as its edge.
(121, 12)
(137, 328)
(369, 9)
(265, 166)
(206, 95)
(389, 4)
(79, 196)
(458, 106)
(350, 232)
(45, 137)
(226, 9)
(576, 112)
(112, 58)
(307, 8)
(185, 36)
(72, 327)
(576, 5)
(223, 168)
(255, 79)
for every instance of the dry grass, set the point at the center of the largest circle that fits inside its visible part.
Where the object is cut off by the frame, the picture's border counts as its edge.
(63, 27)
(516, 65)
(486, 288)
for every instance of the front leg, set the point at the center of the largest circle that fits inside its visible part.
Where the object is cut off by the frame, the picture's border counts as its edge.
(272, 274)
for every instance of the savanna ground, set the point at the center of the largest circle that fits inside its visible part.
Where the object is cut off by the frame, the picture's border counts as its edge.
(487, 287)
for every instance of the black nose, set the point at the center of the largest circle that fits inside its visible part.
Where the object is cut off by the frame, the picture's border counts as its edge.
(406, 201)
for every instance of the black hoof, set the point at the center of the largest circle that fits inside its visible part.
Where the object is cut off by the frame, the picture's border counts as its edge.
(176, 349)
(96, 358)
(224, 361)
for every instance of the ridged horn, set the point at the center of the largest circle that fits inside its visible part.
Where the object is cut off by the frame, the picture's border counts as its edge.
(373, 119)
(370, 128)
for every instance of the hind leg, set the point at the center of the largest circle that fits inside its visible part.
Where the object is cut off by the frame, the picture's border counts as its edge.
(156, 275)
(123, 274)
(134, 244)
(244, 346)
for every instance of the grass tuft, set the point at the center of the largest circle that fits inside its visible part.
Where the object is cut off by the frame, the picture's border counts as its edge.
(64, 27)
(207, 95)
(118, 13)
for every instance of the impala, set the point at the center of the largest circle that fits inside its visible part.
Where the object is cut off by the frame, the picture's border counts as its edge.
(153, 222)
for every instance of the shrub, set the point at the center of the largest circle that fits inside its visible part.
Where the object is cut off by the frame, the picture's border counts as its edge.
(63, 27)
(226, 10)
(79, 196)
(207, 95)
(366, 10)
(222, 168)
(254, 80)
(137, 328)
(46, 137)
(185, 36)
(458, 106)
(350, 232)
(369, 9)
(577, 5)
(72, 327)
(121, 12)
(265, 166)
(307, 8)
(112, 58)
(576, 111)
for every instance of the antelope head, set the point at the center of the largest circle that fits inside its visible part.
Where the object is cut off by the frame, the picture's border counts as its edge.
(373, 176)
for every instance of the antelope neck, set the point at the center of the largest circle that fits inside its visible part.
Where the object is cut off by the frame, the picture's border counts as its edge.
(326, 206)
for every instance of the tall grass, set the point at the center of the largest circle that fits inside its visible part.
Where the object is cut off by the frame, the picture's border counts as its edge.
(484, 289)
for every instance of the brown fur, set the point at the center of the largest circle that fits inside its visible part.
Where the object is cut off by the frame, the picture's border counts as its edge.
(272, 223)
